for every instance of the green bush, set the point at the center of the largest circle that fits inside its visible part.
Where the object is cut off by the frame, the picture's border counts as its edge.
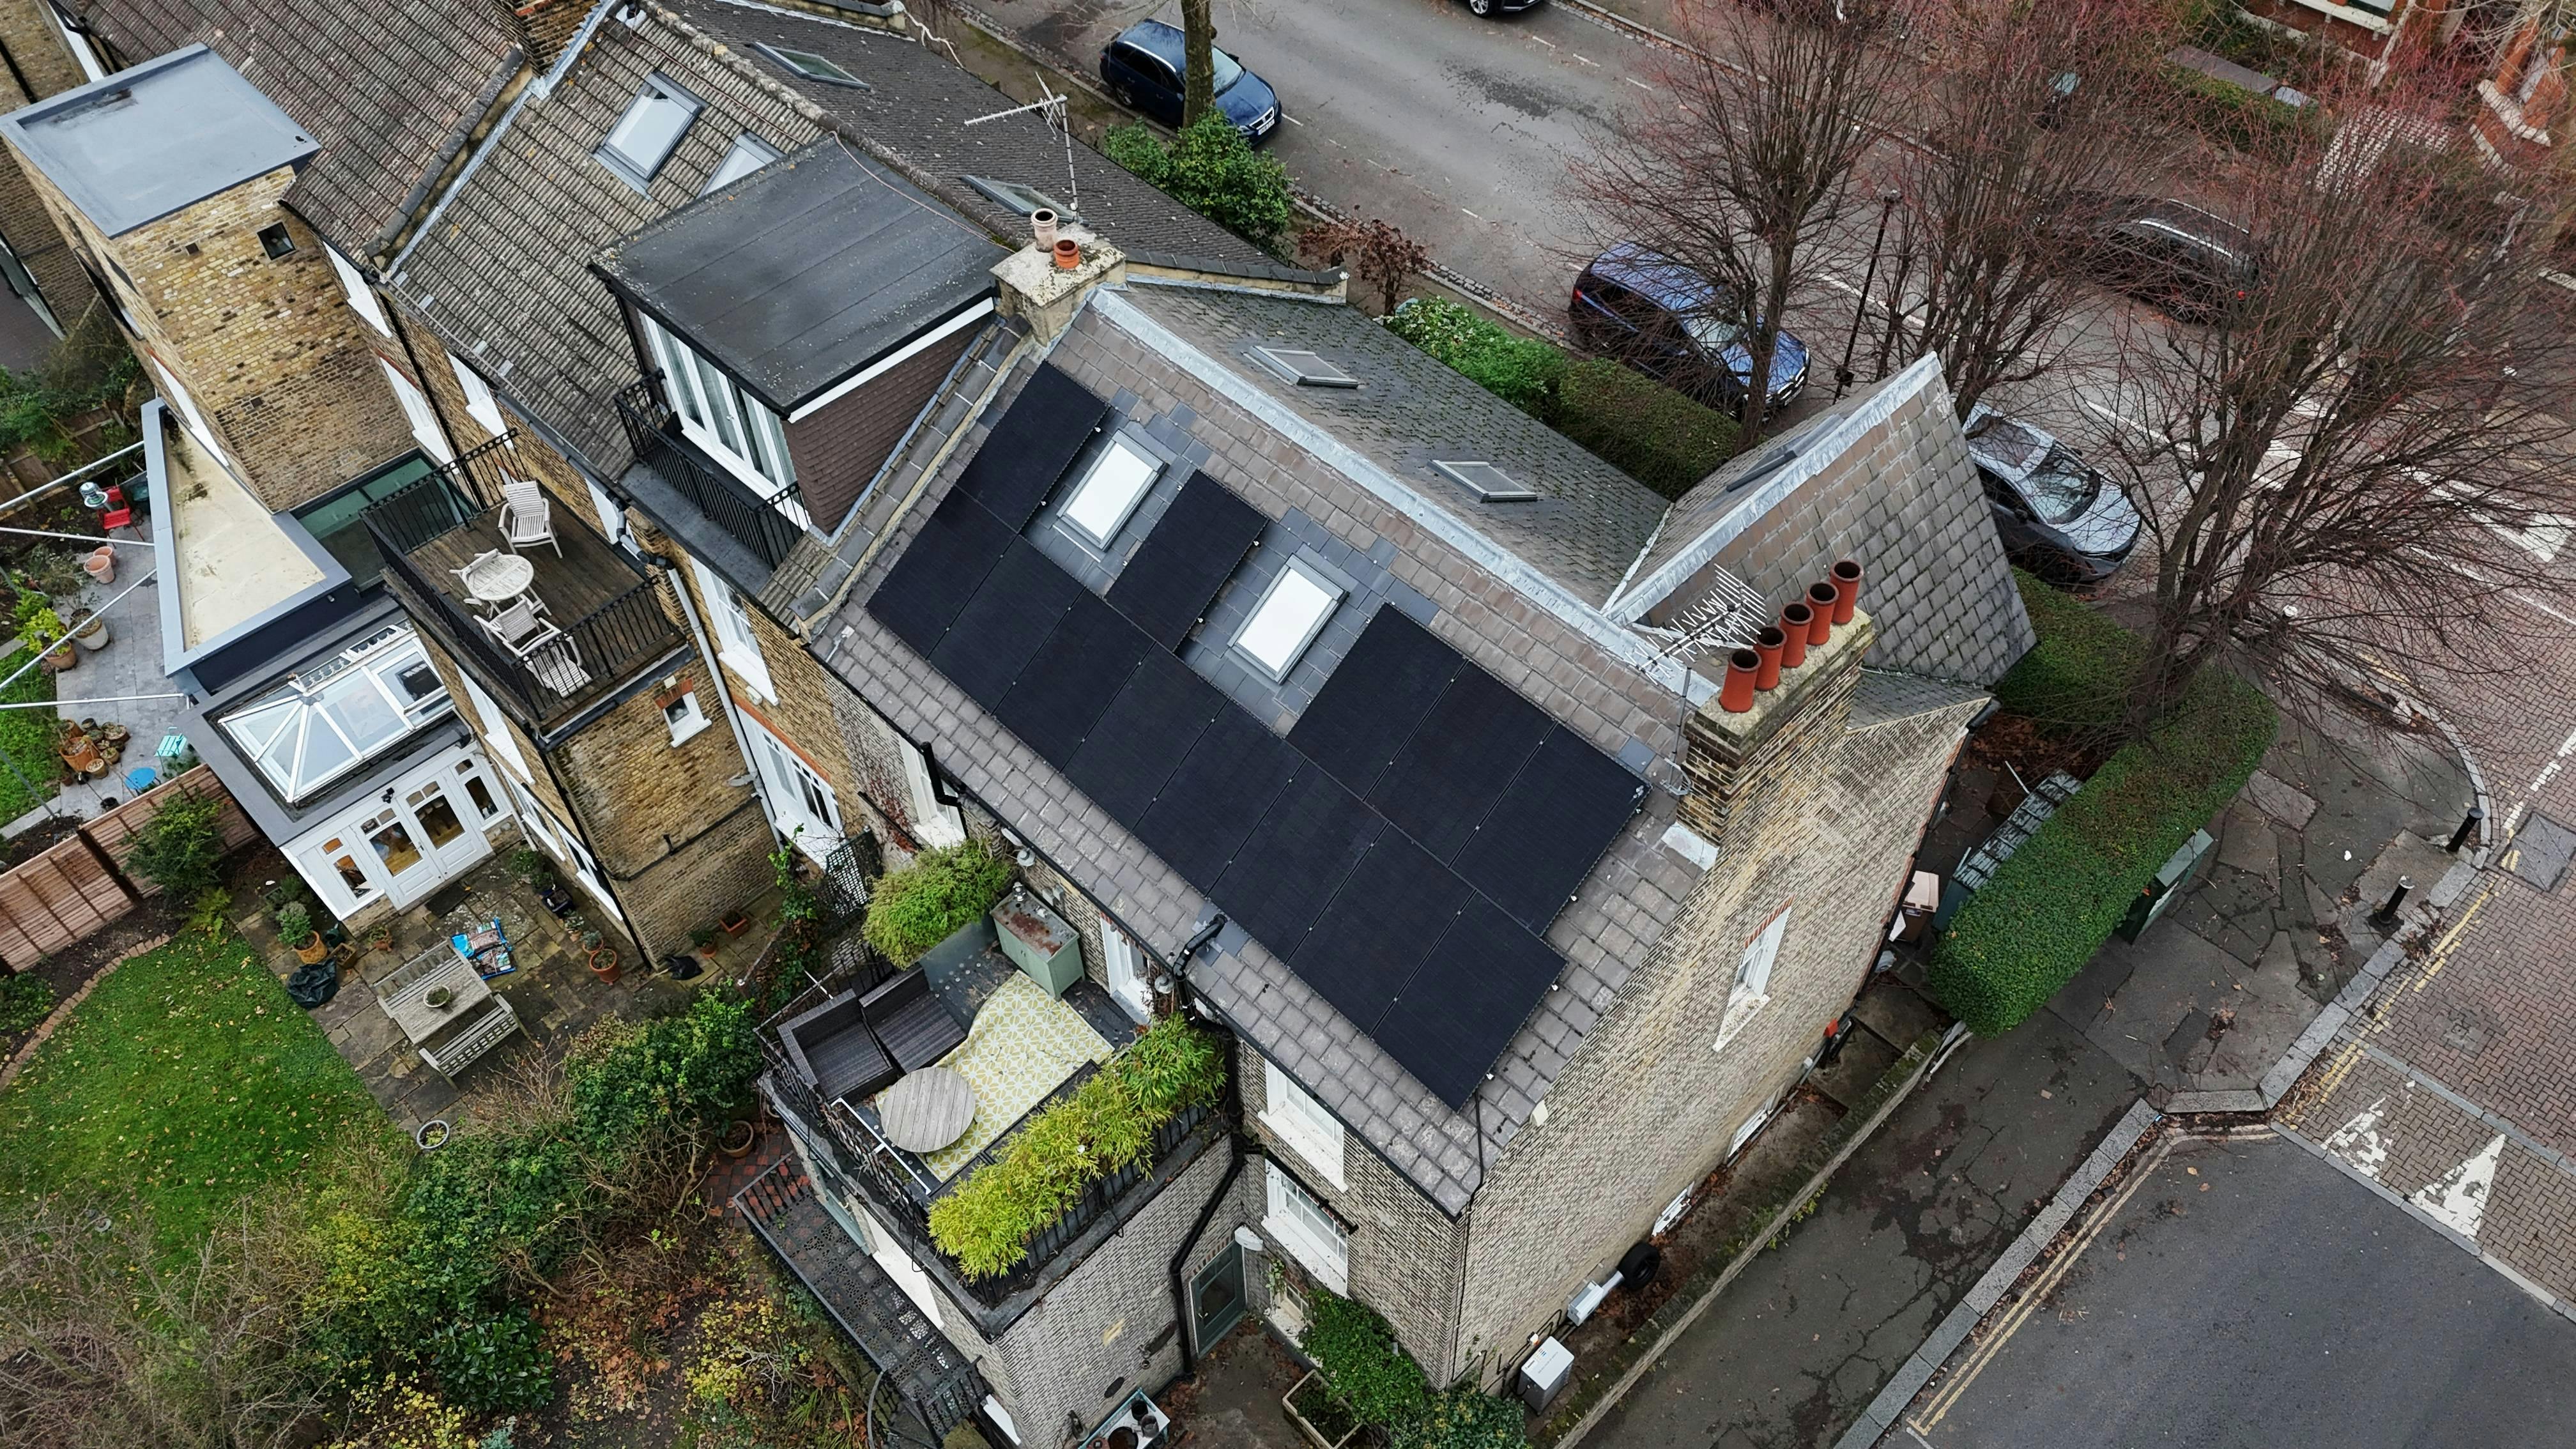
(2060, 896)
(2235, 117)
(1213, 171)
(1522, 371)
(179, 848)
(1649, 431)
(1357, 1354)
(2076, 677)
(692, 1070)
(491, 1362)
(24, 1001)
(928, 901)
(1105, 1126)
(1463, 1418)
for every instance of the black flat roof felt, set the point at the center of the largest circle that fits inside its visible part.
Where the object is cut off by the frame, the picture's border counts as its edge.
(920, 596)
(1461, 758)
(805, 272)
(1065, 688)
(1392, 677)
(1193, 549)
(1027, 452)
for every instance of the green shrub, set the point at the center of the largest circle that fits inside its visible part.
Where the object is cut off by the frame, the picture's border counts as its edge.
(1213, 171)
(692, 1070)
(1105, 1126)
(2060, 896)
(925, 903)
(24, 1001)
(1357, 1354)
(1649, 431)
(493, 1361)
(2076, 677)
(2235, 117)
(179, 848)
(1522, 371)
(1462, 1418)
(294, 924)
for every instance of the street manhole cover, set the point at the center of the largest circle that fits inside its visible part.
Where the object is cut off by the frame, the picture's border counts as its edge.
(2540, 852)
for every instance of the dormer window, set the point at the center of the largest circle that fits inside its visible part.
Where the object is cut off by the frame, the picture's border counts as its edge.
(1306, 369)
(1489, 483)
(719, 415)
(646, 135)
(1107, 496)
(813, 67)
(1292, 611)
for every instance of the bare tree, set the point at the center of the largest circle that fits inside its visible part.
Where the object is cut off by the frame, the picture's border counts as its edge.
(1742, 167)
(1198, 52)
(2034, 118)
(2345, 471)
(1375, 252)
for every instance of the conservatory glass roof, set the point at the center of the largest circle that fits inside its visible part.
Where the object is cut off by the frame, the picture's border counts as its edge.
(319, 723)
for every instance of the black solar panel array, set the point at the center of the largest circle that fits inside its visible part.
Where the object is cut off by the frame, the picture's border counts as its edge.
(1402, 849)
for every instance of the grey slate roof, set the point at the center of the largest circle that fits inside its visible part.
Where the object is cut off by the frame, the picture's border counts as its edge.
(806, 271)
(1886, 697)
(155, 137)
(1410, 409)
(384, 88)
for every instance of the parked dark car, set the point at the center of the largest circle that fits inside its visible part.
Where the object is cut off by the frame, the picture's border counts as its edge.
(1143, 67)
(1665, 319)
(2058, 516)
(2177, 256)
(1499, 7)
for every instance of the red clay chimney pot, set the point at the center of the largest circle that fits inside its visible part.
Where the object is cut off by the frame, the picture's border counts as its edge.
(1820, 600)
(1768, 644)
(1846, 582)
(1797, 621)
(1736, 696)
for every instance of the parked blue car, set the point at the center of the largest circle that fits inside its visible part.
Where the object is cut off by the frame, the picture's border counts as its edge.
(1664, 319)
(1142, 67)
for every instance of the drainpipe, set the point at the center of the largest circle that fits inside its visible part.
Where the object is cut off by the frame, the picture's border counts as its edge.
(715, 676)
(1234, 1155)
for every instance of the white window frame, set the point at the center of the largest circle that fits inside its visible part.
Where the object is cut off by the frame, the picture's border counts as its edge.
(416, 411)
(737, 647)
(1298, 1223)
(1122, 463)
(632, 167)
(496, 728)
(1312, 577)
(803, 803)
(480, 405)
(193, 420)
(1301, 1121)
(1123, 962)
(362, 298)
(1752, 989)
(748, 154)
(92, 67)
(735, 428)
(690, 721)
(934, 825)
(832, 72)
(611, 514)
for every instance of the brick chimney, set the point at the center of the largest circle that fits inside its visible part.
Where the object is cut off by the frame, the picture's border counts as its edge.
(1036, 289)
(1744, 767)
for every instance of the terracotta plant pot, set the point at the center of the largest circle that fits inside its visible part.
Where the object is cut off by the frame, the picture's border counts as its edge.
(63, 658)
(735, 923)
(381, 939)
(738, 1138)
(101, 564)
(312, 951)
(603, 964)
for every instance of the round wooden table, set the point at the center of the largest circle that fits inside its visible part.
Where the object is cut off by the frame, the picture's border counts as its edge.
(927, 1110)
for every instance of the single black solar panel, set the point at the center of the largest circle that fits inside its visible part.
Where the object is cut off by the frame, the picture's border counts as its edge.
(1143, 735)
(1394, 906)
(1541, 838)
(940, 570)
(1000, 629)
(1372, 700)
(1191, 552)
(1029, 449)
(1466, 1001)
(1459, 761)
(1064, 689)
(1306, 844)
(1217, 795)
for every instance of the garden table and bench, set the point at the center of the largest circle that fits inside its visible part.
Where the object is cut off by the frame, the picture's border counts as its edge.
(471, 1020)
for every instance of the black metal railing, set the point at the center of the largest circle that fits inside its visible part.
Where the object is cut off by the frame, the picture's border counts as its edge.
(757, 523)
(447, 497)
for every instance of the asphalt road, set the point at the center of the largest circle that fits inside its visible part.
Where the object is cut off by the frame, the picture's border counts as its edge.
(2245, 1293)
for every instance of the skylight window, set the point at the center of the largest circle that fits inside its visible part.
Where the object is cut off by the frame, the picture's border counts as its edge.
(320, 723)
(1023, 199)
(1292, 611)
(749, 154)
(1486, 481)
(1306, 369)
(814, 67)
(1108, 494)
(650, 130)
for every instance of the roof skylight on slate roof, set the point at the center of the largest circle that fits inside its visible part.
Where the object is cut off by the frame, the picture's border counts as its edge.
(1304, 368)
(1487, 482)
(1026, 200)
(814, 67)
(1119, 479)
(651, 129)
(749, 154)
(1292, 611)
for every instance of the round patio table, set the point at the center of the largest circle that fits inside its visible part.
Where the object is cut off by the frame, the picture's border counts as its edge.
(927, 1110)
(499, 579)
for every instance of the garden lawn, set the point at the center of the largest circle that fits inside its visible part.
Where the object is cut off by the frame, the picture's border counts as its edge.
(27, 738)
(185, 1080)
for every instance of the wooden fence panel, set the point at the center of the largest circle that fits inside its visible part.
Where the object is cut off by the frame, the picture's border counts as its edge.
(119, 830)
(56, 899)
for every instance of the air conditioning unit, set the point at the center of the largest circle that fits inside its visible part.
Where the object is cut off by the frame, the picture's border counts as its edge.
(1138, 1424)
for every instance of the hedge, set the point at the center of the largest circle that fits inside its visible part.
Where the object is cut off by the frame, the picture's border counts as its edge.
(1213, 171)
(2077, 676)
(2051, 905)
(926, 902)
(1647, 430)
(2237, 118)
(1356, 1352)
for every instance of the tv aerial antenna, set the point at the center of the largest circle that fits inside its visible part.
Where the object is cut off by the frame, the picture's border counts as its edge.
(1058, 113)
(1728, 616)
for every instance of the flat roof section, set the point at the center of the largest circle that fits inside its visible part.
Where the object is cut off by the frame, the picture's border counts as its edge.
(805, 272)
(235, 561)
(148, 140)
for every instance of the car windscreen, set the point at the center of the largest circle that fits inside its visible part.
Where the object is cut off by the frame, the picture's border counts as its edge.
(2060, 488)
(1714, 334)
(2009, 441)
(1228, 71)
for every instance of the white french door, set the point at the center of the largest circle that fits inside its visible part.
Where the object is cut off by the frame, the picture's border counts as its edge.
(1124, 964)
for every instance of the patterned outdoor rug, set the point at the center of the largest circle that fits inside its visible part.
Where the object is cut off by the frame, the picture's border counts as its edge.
(1023, 1045)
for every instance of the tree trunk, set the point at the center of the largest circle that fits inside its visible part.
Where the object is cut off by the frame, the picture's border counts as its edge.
(1198, 39)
